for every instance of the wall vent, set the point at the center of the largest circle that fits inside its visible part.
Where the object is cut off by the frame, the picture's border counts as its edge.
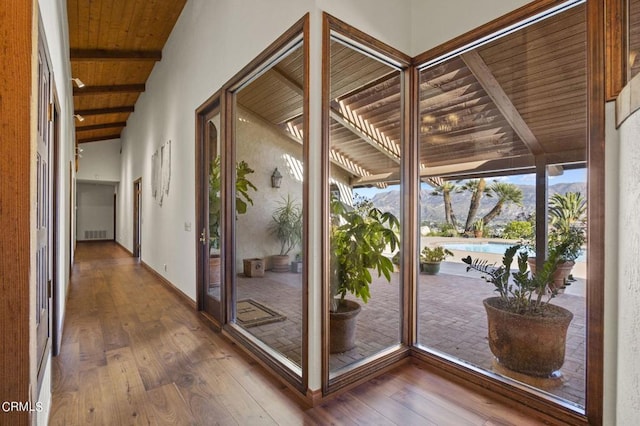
(95, 235)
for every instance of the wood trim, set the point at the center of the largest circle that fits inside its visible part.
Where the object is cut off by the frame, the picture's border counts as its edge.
(184, 299)
(306, 203)
(615, 47)
(17, 360)
(98, 55)
(122, 88)
(101, 126)
(103, 111)
(325, 173)
(57, 325)
(596, 86)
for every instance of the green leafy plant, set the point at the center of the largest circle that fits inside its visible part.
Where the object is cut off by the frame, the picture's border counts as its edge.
(243, 198)
(518, 229)
(287, 224)
(567, 243)
(434, 254)
(520, 292)
(358, 241)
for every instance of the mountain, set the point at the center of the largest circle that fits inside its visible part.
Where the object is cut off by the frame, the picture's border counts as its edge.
(432, 206)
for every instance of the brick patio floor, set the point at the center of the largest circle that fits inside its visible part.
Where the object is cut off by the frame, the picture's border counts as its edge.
(451, 320)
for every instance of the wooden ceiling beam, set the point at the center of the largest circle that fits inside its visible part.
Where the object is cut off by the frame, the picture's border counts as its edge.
(362, 134)
(101, 126)
(492, 87)
(99, 138)
(122, 88)
(102, 111)
(98, 55)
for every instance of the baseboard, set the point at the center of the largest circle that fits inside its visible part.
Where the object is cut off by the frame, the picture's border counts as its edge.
(169, 285)
(124, 248)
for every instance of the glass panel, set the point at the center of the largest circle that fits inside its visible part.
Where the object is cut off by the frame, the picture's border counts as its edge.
(365, 154)
(269, 125)
(494, 121)
(213, 136)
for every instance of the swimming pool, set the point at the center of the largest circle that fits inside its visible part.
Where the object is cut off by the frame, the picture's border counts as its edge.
(493, 248)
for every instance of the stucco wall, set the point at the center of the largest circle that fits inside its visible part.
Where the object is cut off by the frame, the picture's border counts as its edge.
(264, 148)
(628, 377)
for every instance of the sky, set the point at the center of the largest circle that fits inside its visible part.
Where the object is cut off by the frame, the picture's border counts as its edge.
(569, 176)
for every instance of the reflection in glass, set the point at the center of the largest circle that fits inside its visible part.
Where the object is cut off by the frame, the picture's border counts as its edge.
(489, 118)
(365, 154)
(268, 250)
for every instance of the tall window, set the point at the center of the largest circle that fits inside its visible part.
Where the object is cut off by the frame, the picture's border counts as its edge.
(502, 143)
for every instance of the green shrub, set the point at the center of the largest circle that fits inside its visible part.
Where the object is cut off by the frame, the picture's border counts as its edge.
(518, 230)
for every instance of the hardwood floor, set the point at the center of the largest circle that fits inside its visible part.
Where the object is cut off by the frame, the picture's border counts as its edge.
(133, 354)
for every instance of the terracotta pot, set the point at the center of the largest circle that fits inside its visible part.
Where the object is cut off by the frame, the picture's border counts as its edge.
(214, 270)
(559, 277)
(532, 345)
(280, 263)
(478, 234)
(342, 327)
(430, 268)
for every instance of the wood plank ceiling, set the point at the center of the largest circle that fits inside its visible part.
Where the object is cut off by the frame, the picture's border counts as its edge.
(114, 46)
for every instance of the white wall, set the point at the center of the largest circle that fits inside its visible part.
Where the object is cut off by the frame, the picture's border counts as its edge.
(54, 20)
(95, 209)
(100, 161)
(434, 22)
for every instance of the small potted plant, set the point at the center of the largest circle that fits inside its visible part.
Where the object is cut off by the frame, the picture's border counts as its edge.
(431, 257)
(526, 333)
(359, 240)
(286, 226)
(478, 228)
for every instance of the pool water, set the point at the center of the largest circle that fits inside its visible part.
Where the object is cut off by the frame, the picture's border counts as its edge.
(493, 248)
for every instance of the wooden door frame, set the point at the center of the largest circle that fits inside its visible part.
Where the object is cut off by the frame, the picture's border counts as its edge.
(204, 113)
(137, 218)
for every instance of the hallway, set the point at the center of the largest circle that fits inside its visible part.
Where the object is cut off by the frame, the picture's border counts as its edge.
(132, 353)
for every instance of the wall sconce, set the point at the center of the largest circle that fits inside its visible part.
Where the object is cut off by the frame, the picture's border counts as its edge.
(276, 179)
(78, 82)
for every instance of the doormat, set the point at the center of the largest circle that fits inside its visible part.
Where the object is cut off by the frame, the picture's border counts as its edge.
(250, 313)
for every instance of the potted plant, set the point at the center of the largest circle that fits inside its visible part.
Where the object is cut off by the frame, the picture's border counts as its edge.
(431, 257)
(478, 228)
(526, 333)
(358, 243)
(243, 200)
(566, 244)
(286, 226)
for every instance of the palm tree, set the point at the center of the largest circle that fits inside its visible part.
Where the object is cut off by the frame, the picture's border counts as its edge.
(567, 210)
(506, 193)
(446, 189)
(477, 187)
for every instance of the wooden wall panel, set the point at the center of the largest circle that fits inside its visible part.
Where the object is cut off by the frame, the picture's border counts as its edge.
(16, 45)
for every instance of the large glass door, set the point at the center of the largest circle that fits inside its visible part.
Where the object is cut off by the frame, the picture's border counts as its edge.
(210, 251)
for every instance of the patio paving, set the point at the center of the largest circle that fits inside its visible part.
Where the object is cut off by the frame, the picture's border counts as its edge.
(451, 321)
